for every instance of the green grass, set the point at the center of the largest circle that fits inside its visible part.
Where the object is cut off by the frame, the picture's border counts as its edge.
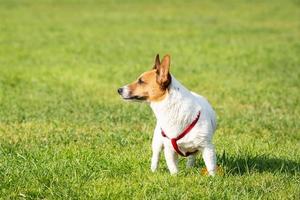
(66, 134)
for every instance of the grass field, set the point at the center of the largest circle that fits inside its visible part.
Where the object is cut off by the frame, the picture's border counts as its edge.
(66, 134)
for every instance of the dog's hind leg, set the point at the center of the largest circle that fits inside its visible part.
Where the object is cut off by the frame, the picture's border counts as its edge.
(210, 159)
(191, 161)
(157, 144)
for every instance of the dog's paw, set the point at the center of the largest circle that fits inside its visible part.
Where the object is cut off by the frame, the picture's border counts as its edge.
(153, 168)
(173, 171)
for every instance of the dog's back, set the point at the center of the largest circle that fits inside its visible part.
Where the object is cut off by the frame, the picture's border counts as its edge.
(207, 108)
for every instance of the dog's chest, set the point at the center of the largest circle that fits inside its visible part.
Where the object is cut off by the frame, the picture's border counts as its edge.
(196, 138)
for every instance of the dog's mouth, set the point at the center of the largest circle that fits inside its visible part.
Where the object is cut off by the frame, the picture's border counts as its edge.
(127, 95)
(135, 98)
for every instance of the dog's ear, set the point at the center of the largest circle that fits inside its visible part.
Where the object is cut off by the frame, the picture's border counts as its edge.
(163, 77)
(156, 62)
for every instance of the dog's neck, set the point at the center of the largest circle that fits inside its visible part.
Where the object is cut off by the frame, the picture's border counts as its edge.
(177, 110)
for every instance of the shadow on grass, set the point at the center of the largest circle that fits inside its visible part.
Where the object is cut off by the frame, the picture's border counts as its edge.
(246, 164)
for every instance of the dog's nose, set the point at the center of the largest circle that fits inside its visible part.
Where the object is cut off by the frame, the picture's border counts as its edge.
(120, 90)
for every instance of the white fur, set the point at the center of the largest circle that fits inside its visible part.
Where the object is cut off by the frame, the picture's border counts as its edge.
(174, 113)
(126, 92)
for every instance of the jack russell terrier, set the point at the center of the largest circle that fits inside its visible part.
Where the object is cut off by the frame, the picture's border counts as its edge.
(186, 122)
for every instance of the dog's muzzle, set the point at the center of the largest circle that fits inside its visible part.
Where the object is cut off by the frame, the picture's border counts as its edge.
(126, 94)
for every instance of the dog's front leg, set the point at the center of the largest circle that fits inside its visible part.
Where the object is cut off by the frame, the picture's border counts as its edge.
(157, 144)
(171, 159)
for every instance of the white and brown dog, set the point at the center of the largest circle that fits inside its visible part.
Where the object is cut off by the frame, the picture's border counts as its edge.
(185, 120)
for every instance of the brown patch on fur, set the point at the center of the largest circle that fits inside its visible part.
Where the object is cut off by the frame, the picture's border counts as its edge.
(147, 86)
(153, 85)
(156, 62)
(163, 75)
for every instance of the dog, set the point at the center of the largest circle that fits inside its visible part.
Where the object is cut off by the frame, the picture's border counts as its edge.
(186, 122)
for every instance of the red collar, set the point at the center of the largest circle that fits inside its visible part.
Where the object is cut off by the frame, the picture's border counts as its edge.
(186, 131)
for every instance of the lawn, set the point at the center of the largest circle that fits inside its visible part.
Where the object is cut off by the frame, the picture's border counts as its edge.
(66, 134)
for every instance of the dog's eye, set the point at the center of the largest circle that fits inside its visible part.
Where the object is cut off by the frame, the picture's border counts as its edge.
(140, 81)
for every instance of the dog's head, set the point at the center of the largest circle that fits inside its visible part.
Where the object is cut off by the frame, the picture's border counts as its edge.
(151, 85)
